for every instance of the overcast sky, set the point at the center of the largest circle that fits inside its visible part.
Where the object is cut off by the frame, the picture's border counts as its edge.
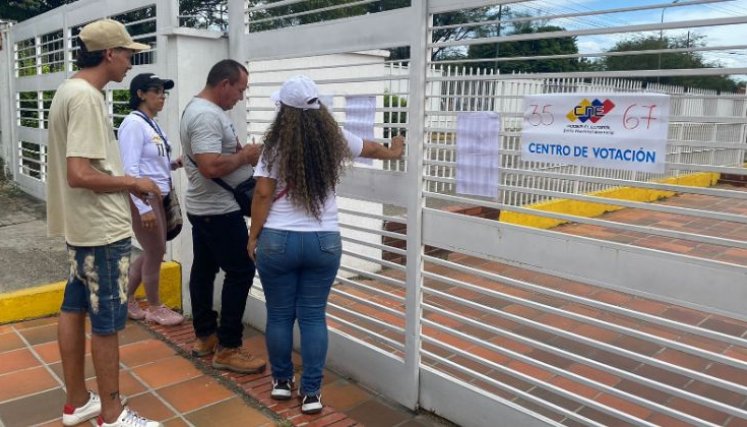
(715, 35)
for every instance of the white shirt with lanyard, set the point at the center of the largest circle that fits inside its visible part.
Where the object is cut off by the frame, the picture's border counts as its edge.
(145, 153)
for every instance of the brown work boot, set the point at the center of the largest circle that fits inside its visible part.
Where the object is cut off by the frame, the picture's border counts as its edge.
(236, 360)
(204, 346)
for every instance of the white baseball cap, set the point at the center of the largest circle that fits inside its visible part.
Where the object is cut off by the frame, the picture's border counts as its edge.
(298, 92)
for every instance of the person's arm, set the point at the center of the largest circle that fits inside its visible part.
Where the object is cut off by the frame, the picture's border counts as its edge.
(374, 150)
(217, 165)
(261, 203)
(80, 174)
(87, 136)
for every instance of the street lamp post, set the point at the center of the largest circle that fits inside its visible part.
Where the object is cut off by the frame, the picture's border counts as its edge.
(661, 34)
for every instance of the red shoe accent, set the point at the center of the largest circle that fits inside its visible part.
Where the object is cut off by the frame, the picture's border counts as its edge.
(68, 409)
(99, 420)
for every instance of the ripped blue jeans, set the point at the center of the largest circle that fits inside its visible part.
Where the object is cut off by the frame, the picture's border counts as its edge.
(97, 284)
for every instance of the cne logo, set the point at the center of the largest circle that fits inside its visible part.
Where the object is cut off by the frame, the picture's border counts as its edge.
(592, 111)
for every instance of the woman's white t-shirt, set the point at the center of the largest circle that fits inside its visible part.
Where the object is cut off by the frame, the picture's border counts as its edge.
(144, 155)
(285, 216)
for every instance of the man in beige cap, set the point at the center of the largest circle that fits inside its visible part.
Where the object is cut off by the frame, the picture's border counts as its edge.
(87, 202)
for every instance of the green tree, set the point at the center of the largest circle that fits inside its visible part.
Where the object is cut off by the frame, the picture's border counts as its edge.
(667, 61)
(311, 11)
(20, 10)
(529, 48)
(209, 14)
(482, 14)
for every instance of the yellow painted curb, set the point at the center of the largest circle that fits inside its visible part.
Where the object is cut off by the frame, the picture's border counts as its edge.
(46, 300)
(589, 210)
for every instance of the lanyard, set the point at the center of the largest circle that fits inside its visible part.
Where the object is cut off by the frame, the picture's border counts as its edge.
(156, 128)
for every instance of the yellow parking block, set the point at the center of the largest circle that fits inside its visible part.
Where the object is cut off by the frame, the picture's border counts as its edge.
(46, 300)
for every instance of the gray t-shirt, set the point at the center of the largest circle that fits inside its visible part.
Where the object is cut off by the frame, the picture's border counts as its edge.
(206, 128)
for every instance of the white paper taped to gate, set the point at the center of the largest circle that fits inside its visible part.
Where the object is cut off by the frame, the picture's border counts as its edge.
(616, 130)
(360, 114)
(477, 153)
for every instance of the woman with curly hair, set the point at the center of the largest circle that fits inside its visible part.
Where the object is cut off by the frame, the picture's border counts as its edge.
(294, 236)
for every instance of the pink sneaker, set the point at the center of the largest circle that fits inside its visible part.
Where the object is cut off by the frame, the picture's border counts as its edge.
(134, 311)
(163, 316)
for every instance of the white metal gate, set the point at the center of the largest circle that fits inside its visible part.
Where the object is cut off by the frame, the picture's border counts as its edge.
(41, 55)
(462, 328)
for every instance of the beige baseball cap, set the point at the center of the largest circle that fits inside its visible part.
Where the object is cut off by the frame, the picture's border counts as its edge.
(108, 34)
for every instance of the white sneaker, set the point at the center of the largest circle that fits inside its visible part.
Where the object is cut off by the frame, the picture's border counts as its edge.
(73, 416)
(312, 404)
(129, 418)
(282, 389)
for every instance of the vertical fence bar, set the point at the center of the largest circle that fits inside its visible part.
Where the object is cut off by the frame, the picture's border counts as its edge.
(415, 168)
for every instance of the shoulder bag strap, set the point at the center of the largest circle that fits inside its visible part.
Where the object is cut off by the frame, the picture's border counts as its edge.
(218, 181)
(157, 129)
(281, 194)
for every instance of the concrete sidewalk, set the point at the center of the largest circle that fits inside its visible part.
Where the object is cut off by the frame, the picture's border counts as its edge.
(27, 256)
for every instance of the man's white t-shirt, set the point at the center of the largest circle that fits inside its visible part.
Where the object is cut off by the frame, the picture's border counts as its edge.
(284, 215)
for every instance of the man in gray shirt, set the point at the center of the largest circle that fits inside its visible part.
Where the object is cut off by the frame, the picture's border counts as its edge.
(219, 232)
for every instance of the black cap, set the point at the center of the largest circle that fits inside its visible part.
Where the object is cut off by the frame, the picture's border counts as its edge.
(144, 82)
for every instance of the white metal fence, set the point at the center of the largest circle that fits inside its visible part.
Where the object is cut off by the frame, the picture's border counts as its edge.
(43, 51)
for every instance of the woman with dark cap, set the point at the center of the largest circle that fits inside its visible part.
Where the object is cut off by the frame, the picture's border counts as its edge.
(146, 153)
(294, 236)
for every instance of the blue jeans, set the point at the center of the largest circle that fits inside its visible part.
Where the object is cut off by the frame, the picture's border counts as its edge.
(219, 242)
(297, 270)
(97, 284)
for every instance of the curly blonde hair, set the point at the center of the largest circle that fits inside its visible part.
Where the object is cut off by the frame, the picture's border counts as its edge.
(310, 152)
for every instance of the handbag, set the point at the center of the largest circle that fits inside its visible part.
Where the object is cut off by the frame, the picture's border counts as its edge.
(174, 220)
(243, 192)
(171, 207)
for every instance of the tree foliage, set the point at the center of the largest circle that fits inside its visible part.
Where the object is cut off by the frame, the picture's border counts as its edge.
(20, 10)
(311, 11)
(529, 48)
(667, 61)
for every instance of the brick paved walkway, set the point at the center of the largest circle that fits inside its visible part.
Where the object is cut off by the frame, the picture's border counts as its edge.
(163, 382)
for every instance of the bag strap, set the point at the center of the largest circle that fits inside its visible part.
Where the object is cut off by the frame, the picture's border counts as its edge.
(281, 194)
(218, 181)
(157, 129)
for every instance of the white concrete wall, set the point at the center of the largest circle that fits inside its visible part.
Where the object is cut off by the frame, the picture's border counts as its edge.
(196, 51)
(7, 124)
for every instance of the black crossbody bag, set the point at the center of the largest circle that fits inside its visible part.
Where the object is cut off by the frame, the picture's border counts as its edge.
(243, 192)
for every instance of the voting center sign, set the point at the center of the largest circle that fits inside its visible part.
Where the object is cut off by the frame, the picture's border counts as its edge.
(616, 130)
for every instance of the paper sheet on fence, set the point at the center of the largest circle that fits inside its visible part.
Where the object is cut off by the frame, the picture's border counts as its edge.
(360, 114)
(477, 154)
(615, 130)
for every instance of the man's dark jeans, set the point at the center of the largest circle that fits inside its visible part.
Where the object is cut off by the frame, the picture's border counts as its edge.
(219, 241)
